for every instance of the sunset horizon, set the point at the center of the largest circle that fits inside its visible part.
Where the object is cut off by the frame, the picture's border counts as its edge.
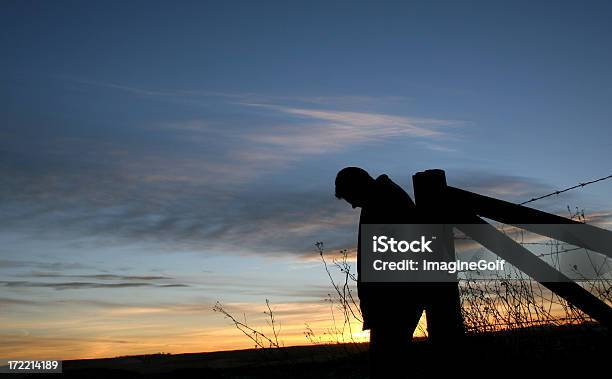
(161, 160)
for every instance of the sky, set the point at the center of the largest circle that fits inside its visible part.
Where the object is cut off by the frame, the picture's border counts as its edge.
(157, 157)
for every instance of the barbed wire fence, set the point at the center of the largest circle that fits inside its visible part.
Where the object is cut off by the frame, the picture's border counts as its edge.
(507, 301)
(504, 302)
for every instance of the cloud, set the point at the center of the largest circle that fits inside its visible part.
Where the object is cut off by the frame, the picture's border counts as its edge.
(512, 188)
(185, 184)
(90, 281)
(100, 276)
(83, 285)
(11, 264)
(6, 302)
(386, 125)
(249, 97)
(601, 218)
(324, 131)
(202, 212)
(202, 215)
(152, 92)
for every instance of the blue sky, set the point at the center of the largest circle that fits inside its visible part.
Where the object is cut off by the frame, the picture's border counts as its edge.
(165, 155)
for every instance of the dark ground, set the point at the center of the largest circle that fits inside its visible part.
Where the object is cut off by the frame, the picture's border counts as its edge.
(554, 351)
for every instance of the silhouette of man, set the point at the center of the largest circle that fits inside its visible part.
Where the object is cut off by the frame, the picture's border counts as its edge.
(391, 311)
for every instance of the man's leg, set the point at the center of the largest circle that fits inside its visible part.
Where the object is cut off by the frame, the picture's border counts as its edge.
(390, 345)
(388, 351)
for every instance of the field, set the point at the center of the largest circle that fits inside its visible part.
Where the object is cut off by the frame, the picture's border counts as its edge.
(549, 351)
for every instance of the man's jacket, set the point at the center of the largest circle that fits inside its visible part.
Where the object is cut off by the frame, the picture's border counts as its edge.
(384, 302)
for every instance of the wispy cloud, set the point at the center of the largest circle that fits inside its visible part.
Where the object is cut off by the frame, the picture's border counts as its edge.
(83, 285)
(12, 264)
(87, 281)
(249, 97)
(510, 187)
(186, 183)
(99, 276)
(324, 131)
(153, 92)
(272, 146)
(389, 125)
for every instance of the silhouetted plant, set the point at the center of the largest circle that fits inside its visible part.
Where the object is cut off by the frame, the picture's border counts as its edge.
(261, 340)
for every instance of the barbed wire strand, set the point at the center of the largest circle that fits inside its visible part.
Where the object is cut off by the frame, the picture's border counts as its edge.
(579, 185)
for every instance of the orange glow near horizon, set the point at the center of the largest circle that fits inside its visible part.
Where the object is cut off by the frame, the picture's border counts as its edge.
(150, 330)
(85, 332)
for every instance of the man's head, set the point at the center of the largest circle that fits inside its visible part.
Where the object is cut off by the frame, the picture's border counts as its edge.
(354, 185)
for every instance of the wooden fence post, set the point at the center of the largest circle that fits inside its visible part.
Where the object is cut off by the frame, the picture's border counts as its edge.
(444, 319)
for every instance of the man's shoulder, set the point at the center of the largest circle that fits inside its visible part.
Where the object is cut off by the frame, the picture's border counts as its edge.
(389, 191)
(384, 182)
